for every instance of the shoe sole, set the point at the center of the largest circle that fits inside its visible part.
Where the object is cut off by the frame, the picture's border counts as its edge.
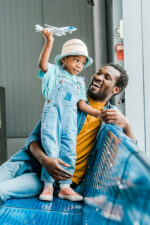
(45, 198)
(73, 199)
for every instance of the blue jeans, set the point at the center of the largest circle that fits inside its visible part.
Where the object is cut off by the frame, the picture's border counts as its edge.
(18, 180)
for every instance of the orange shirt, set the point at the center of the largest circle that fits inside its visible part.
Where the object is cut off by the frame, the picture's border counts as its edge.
(85, 141)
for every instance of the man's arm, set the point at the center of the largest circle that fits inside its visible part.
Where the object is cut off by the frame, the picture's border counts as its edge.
(51, 165)
(113, 116)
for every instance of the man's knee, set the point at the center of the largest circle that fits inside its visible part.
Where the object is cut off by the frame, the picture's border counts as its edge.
(3, 193)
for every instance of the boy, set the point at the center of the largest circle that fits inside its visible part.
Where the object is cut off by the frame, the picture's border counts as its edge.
(62, 90)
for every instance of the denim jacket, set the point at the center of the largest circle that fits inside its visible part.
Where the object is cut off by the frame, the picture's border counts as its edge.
(82, 116)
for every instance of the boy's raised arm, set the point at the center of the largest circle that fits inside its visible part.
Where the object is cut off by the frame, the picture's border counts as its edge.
(45, 54)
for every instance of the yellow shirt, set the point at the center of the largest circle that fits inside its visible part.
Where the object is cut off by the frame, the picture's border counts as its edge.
(85, 141)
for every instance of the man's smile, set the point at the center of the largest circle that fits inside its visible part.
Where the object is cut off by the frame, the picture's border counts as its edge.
(96, 85)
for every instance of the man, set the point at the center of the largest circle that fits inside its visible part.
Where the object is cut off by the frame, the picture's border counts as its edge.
(20, 176)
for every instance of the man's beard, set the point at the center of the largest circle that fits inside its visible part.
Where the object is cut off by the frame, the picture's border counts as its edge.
(101, 96)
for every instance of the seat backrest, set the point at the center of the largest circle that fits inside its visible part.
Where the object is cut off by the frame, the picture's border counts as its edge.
(117, 184)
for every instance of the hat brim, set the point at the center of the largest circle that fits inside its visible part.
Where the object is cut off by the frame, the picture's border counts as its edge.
(58, 58)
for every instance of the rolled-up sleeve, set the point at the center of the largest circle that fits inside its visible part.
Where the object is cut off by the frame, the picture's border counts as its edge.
(48, 79)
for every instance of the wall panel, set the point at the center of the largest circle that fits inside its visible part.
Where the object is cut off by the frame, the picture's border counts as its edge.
(145, 6)
(133, 49)
(20, 48)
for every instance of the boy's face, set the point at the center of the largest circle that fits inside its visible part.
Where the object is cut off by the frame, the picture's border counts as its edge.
(74, 64)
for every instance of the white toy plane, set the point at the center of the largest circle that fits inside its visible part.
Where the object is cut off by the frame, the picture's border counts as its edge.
(56, 30)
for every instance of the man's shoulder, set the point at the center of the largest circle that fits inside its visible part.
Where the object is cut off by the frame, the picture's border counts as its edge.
(110, 106)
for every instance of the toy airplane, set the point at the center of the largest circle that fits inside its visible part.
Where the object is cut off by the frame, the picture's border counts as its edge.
(56, 30)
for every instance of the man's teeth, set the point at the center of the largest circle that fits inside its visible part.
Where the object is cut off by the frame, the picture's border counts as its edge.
(96, 84)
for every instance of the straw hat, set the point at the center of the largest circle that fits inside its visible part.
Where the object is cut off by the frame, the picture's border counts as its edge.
(74, 47)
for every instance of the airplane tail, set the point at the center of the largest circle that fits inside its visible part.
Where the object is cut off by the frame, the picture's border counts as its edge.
(38, 28)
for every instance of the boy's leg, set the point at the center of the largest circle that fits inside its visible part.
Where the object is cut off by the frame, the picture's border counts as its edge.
(68, 155)
(23, 186)
(49, 138)
(68, 142)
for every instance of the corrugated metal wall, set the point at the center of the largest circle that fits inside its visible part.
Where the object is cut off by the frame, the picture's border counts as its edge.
(20, 48)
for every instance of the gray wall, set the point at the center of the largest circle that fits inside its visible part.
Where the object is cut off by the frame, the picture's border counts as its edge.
(20, 48)
(100, 33)
(146, 70)
(3, 154)
(136, 18)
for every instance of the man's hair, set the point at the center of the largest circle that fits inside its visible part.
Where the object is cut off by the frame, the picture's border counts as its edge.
(123, 79)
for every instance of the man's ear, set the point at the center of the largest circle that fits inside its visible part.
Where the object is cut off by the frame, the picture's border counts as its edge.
(116, 90)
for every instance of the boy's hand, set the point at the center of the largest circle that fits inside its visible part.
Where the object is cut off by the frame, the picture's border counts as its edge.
(48, 35)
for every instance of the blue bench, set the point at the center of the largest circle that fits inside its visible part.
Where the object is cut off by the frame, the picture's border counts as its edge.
(116, 190)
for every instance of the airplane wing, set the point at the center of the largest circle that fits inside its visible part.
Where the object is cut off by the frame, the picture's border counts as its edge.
(59, 34)
(51, 27)
(56, 30)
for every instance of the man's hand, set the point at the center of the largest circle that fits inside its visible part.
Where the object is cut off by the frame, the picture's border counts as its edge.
(113, 116)
(51, 165)
(55, 170)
